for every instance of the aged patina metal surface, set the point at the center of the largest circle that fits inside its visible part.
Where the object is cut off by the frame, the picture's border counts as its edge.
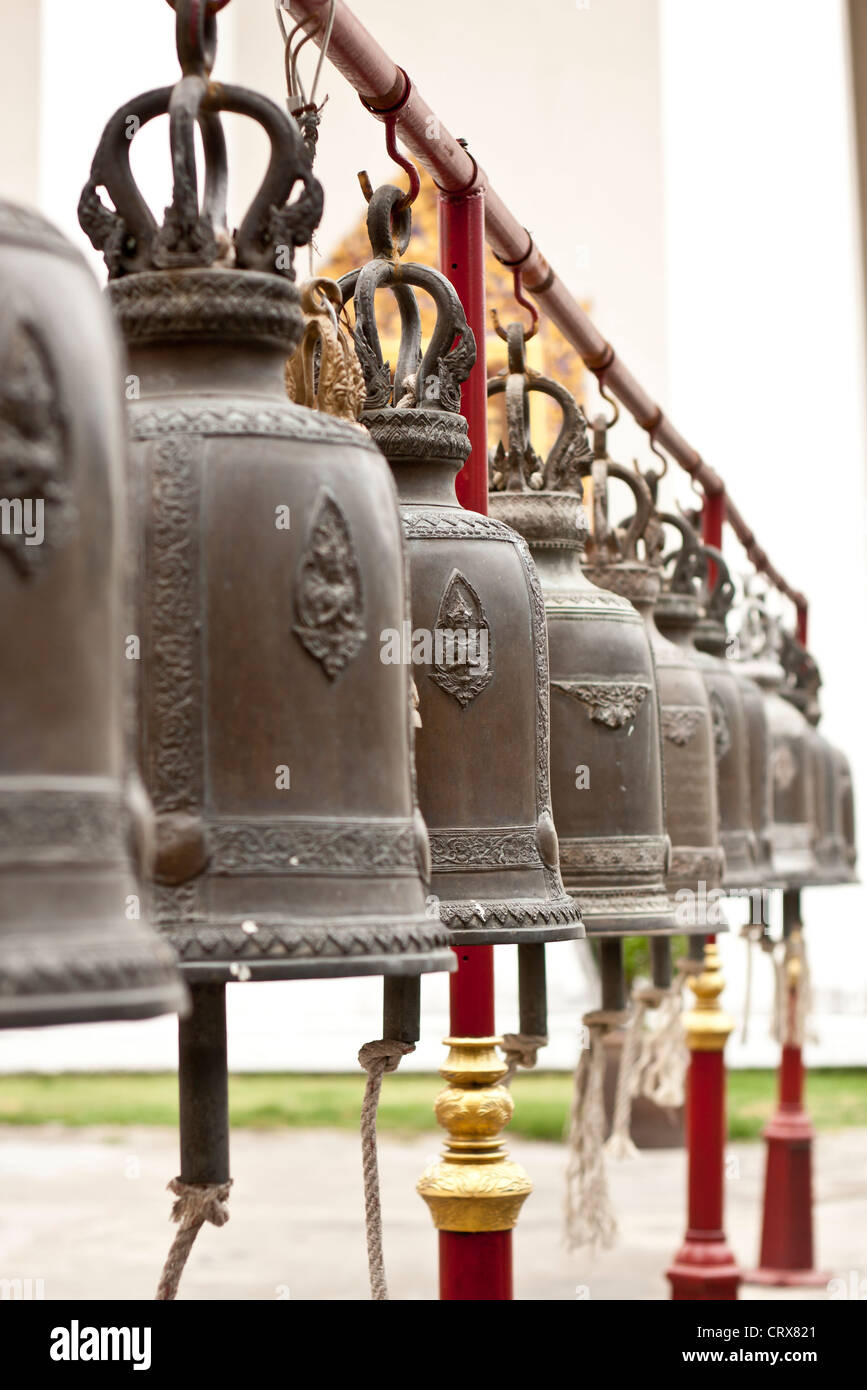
(482, 750)
(628, 560)
(693, 615)
(74, 825)
(606, 758)
(276, 744)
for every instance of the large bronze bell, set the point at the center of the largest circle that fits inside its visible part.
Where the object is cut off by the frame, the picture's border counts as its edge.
(478, 640)
(792, 830)
(693, 616)
(627, 559)
(606, 756)
(72, 946)
(276, 744)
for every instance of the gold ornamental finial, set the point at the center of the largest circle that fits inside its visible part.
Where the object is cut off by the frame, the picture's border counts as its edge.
(474, 1186)
(707, 1025)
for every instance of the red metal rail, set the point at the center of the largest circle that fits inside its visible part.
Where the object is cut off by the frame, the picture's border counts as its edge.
(377, 78)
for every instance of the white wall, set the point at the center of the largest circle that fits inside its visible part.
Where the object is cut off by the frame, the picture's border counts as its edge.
(765, 337)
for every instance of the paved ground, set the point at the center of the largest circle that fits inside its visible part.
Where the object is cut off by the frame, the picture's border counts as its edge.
(86, 1212)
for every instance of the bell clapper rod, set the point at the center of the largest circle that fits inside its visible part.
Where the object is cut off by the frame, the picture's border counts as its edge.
(378, 79)
(203, 1084)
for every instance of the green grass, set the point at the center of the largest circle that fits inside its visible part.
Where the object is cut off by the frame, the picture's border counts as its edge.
(836, 1098)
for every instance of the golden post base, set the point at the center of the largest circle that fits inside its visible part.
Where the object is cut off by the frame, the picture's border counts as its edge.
(474, 1186)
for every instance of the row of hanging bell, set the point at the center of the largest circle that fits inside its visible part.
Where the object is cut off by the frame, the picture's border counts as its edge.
(606, 755)
(75, 824)
(693, 616)
(276, 743)
(627, 559)
(482, 752)
(811, 829)
(833, 809)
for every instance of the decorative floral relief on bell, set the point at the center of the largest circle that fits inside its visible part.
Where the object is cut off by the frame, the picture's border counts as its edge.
(74, 944)
(693, 615)
(276, 744)
(627, 558)
(482, 750)
(792, 828)
(606, 759)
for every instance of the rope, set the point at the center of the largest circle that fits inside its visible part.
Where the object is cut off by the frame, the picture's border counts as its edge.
(664, 1056)
(590, 1218)
(750, 936)
(376, 1058)
(522, 1050)
(790, 1020)
(197, 1202)
(620, 1144)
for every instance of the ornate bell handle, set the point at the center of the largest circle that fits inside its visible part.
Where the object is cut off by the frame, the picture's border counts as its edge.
(688, 558)
(518, 381)
(451, 351)
(720, 598)
(625, 542)
(129, 237)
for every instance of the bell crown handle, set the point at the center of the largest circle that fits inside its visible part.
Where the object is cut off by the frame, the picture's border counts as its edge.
(194, 233)
(620, 542)
(428, 379)
(686, 574)
(719, 597)
(519, 467)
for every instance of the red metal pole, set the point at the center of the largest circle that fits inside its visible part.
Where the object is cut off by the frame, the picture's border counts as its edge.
(462, 259)
(704, 1268)
(474, 1265)
(786, 1257)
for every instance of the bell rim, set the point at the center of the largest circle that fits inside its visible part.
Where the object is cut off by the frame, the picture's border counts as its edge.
(63, 1010)
(409, 965)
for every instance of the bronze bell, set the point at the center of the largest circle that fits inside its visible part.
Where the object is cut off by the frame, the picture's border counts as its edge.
(606, 756)
(73, 948)
(802, 686)
(792, 831)
(711, 637)
(627, 560)
(276, 744)
(846, 815)
(478, 640)
(693, 616)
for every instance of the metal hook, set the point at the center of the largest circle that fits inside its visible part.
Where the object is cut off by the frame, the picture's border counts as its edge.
(525, 303)
(389, 118)
(606, 396)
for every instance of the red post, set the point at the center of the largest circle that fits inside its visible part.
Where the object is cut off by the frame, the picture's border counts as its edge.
(462, 259)
(474, 1265)
(786, 1256)
(704, 1268)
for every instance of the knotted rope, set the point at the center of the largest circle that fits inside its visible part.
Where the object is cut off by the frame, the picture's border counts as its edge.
(590, 1218)
(654, 1061)
(619, 1143)
(753, 935)
(522, 1050)
(790, 1021)
(197, 1202)
(664, 1058)
(376, 1058)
